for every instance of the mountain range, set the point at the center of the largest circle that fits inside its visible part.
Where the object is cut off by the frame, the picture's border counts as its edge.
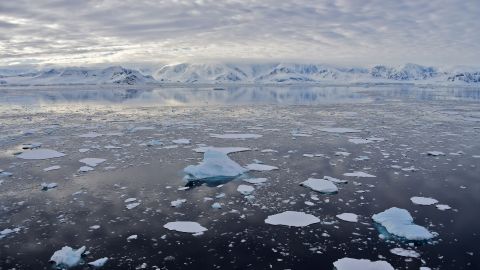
(222, 73)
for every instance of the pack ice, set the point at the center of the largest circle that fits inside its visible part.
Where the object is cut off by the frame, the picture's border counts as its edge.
(399, 222)
(215, 164)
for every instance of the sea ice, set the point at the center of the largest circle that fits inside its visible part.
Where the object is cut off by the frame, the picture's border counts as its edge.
(185, 226)
(48, 186)
(245, 189)
(177, 203)
(255, 181)
(361, 264)
(67, 257)
(350, 217)
(423, 200)
(51, 168)
(359, 174)
(235, 136)
(90, 135)
(443, 207)
(335, 180)
(181, 141)
(292, 218)
(92, 162)
(405, 252)
(320, 185)
(399, 222)
(85, 169)
(132, 205)
(340, 130)
(40, 154)
(98, 263)
(260, 167)
(214, 165)
(225, 150)
(435, 153)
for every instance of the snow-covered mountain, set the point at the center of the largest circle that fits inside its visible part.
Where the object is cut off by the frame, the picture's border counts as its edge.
(110, 75)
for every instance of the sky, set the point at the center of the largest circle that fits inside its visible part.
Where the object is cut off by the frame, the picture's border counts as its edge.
(136, 32)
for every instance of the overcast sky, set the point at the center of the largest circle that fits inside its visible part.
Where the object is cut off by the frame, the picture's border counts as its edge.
(360, 32)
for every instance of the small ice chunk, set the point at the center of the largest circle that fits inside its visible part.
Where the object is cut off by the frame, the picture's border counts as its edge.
(181, 141)
(245, 189)
(90, 135)
(292, 218)
(423, 200)
(320, 185)
(132, 205)
(350, 217)
(85, 169)
(177, 203)
(51, 168)
(343, 154)
(443, 207)
(129, 200)
(260, 167)
(361, 264)
(216, 205)
(340, 130)
(235, 136)
(185, 226)
(92, 162)
(48, 186)
(95, 227)
(255, 181)
(225, 150)
(40, 154)
(98, 263)
(435, 153)
(405, 252)
(132, 237)
(399, 222)
(214, 165)
(335, 180)
(67, 257)
(359, 174)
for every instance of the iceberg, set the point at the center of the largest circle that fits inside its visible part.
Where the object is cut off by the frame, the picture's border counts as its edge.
(399, 222)
(67, 257)
(215, 165)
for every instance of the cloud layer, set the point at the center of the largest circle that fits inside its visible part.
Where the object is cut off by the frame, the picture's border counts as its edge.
(332, 31)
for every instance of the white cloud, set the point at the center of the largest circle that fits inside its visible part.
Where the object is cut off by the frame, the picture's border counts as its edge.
(332, 31)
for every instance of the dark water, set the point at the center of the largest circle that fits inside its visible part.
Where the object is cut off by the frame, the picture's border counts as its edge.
(411, 120)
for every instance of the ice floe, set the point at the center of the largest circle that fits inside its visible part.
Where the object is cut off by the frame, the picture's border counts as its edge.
(92, 162)
(85, 169)
(350, 217)
(361, 264)
(423, 200)
(225, 150)
(405, 252)
(51, 168)
(90, 135)
(292, 218)
(47, 186)
(40, 154)
(340, 130)
(245, 189)
(320, 185)
(260, 167)
(181, 141)
(215, 165)
(435, 153)
(98, 263)
(236, 136)
(177, 203)
(67, 257)
(443, 207)
(132, 205)
(359, 174)
(335, 180)
(399, 222)
(185, 226)
(255, 181)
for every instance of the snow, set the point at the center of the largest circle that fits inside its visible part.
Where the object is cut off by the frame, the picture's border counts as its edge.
(245, 189)
(350, 217)
(405, 252)
(399, 222)
(99, 262)
(340, 130)
(214, 165)
(255, 181)
(225, 150)
(185, 226)
(236, 136)
(181, 141)
(359, 174)
(260, 167)
(40, 154)
(361, 264)
(320, 185)
(423, 200)
(51, 168)
(292, 218)
(92, 162)
(67, 257)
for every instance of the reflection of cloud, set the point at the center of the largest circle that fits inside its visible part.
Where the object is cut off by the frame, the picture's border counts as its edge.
(370, 31)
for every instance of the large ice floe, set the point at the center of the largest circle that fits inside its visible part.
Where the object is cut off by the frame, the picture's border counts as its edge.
(292, 218)
(67, 257)
(185, 226)
(320, 185)
(423, 200)
(399, 222)
(40, 154)
(215, 166)
(361, 264)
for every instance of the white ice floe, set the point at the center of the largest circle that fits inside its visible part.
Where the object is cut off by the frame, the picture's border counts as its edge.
(320, 185)
(443, 207)
(47, 186)
(214, 165)
(83, 150)
(236, 136)
(51, 168)
(361, 264)
(92, 162)
(132, 237)
(185, 226)
(435, 153)
(399, 222)
(335, 180)
(90, 135)
(129, 200)
(181, 141)
(245, 189)
(260, 167)
(177, 203)
(340, 130)
(423, 200)
(225, 150)
(255, 181)
(98, 263)
(405, 252)
(67, 257)
(350, 217)
(216, 205)
(95, 227)
(132, 205)
(40, 154)
(292, 218)
(85, 169)
(343, 154)
(359, 174)
(5, 232)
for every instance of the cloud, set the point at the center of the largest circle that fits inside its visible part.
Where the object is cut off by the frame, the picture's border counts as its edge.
(332, 31)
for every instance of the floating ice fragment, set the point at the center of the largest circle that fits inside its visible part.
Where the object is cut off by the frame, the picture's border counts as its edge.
(181, 141)
(95, 227)
(335, 180)
(245, 189)
(260, 167)
(130, 200)
(320, 185)
(48, 186)
(435, 153)
(214, 165)
(340, 130)
(292, 218)
(85, 169)
(132, 237)
(98, 263)
(344, 154)
(40, 154)
(216, 205)
(423, 200)
(359, 174)
(51, 168)
(92, 162)
(67, 257)
(361, 264)
(90, 135)
(405, 252)
(132, 205)
(177, 203)
(255, 181)
(31, 145)
(235, 136)
(350, 217)
(185, 226)
(225, 150)
(399, 222)
(443, 207)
